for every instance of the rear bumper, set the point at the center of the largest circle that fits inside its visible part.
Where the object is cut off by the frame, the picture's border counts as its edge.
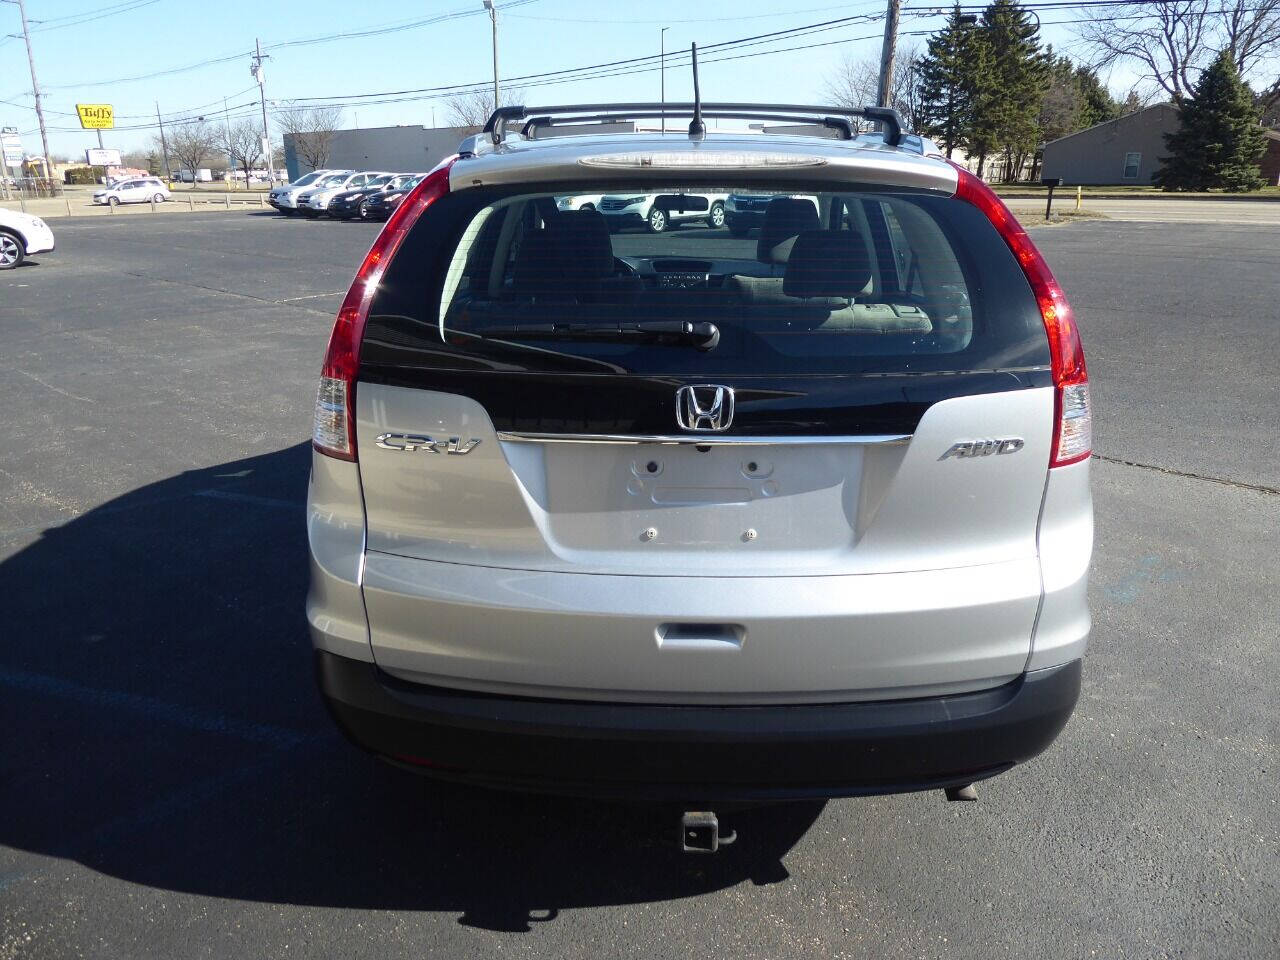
(683, 753)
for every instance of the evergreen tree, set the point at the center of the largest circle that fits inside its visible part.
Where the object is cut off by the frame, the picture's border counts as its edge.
(1097, 104)
(1074, 99)
(1062, 107)
(948, 81)
(1219, 141)
(1017, 75)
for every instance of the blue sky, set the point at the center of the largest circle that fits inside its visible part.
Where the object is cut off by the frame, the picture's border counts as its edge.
(87, 58)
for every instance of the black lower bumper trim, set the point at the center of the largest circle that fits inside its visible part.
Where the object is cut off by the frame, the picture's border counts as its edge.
(652, 751)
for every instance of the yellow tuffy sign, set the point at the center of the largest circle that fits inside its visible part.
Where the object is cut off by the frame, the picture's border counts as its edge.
(96, 116)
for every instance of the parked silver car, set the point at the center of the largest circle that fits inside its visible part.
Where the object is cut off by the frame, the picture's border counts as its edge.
(285, 197)
(696, 517)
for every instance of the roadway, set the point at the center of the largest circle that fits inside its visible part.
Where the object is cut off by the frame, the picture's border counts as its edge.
(171, 786)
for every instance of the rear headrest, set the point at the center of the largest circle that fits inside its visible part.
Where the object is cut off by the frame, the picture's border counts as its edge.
(785, 218)
(566, 257)
(581, 239)
(535, 271)
(827, 263)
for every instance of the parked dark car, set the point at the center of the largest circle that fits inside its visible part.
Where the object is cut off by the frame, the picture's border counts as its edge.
(380, 205)
(742, 211)
(351, 204)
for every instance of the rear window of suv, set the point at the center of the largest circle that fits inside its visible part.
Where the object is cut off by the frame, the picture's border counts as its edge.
(817, 283)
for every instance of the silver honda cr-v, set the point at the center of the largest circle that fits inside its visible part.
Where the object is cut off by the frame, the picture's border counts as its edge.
(696, 516)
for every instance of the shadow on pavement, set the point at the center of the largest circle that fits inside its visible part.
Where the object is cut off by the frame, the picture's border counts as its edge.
(160, 724)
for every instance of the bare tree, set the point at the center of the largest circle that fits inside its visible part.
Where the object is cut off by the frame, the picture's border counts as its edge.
(855, 82)
(192, 143)
(141, 159)
(1173, 40)
(311, 129)
(242, 142)
(472, 110)
(1252, 29)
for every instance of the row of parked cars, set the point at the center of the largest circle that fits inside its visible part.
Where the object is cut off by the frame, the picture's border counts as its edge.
(659, 212)
(344, 194)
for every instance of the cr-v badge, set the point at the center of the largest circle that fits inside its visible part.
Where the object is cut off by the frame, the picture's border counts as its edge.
(409, 442)
(704, 406)
(983, 448)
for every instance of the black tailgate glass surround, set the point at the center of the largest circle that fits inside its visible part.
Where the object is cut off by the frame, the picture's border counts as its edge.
(555, 386)
(764, 406)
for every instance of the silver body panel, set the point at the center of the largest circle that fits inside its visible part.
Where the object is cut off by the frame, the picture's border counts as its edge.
(473, 573)
(817, 510)
(801, 639)
(1065, 542)
(768, 157)
(335, 531)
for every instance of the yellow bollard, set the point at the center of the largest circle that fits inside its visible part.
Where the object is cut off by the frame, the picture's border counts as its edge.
(1079, 197)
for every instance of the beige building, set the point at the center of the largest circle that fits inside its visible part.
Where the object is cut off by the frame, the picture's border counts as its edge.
(1126, 150)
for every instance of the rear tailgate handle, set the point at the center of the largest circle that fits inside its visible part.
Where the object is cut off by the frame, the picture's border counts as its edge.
(700, 636)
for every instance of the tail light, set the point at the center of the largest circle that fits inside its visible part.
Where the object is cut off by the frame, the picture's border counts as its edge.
(1073, 417)
(334, 433)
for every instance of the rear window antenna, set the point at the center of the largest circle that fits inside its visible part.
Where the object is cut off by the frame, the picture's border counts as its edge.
(697, 129)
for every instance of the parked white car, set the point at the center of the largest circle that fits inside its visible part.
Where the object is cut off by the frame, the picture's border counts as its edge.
(662, 211)
(315, 201)
(285, 198)
(587, 201)
(20, 235)
(133, 190)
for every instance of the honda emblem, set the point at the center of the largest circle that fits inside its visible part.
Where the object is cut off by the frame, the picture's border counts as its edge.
(704, 406)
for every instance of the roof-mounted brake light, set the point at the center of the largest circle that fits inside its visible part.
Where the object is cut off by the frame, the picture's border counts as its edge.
(702, 160)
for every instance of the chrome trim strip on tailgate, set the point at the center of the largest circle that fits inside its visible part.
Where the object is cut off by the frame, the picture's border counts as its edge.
(515, 436)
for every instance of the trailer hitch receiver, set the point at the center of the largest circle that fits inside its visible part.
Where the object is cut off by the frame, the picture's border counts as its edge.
(700, 832)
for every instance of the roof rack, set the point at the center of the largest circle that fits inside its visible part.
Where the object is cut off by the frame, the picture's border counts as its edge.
(835, 118)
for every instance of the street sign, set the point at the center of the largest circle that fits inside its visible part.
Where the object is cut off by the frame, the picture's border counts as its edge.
(98, 157)
(12, 146)
(96, 116)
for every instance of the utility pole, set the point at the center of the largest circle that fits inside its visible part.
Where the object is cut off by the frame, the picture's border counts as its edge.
(164, 147)
(884, 92)
(662, 71)
(226, 123)
(258, 75)
(493, 19)
(35, 89)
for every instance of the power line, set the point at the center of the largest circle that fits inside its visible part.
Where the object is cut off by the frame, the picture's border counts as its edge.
(678, 57)
(723, 51)
(631, 20)
(157, 74)
(396, 27)
(638, 65)
(390, 28)
(417, 23)
(248, 107)
(75, 20)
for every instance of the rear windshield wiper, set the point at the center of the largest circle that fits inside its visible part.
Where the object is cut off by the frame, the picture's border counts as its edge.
(704, 335)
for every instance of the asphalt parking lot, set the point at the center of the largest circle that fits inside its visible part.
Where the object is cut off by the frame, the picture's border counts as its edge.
(171, 787)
